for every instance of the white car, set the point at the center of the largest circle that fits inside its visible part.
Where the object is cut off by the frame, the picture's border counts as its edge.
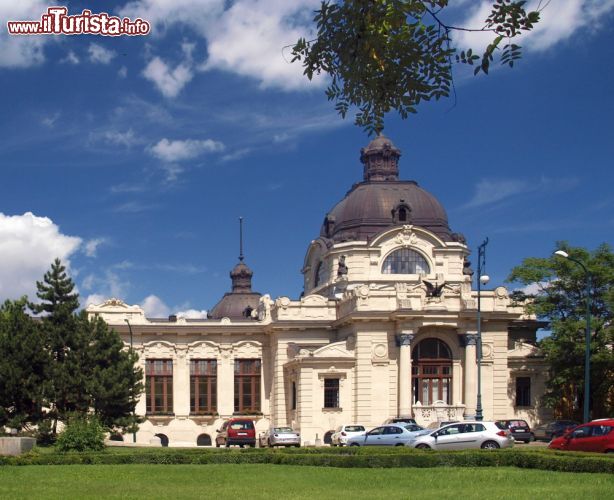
(280, 436)
(465, 435)
(387, 435)
(344, 432)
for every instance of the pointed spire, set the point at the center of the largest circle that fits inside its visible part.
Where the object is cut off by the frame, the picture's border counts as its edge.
(241, 239)
(241, 274)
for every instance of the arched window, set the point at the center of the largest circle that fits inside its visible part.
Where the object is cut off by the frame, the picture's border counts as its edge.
(432, 372)
(203, 440)
(163, 439)
(405, 261)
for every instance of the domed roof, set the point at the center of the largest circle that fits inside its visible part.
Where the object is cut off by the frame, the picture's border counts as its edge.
(241, 301)
(238, 303)
(383, 201)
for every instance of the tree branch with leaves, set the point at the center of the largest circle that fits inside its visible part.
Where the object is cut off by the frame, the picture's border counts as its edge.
(384, 55)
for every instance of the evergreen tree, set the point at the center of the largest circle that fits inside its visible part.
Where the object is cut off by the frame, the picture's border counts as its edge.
(66, 346)
(24, 363)
(560, 297)
(113, 381)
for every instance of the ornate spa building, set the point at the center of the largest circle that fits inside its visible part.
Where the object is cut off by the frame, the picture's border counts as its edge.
(386, 327)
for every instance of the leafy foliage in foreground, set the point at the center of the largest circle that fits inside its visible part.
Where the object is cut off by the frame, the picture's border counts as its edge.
(393, 54)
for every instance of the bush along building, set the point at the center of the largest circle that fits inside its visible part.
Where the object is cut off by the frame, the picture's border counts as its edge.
(387, 326)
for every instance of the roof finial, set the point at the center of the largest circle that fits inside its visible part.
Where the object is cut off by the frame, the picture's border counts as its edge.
(241, 239)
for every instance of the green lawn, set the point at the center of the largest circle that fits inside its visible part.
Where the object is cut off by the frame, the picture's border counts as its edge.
(245, 482)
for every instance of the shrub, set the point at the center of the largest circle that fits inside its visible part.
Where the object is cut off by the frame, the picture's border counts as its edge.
(44, 434)
(82, 434)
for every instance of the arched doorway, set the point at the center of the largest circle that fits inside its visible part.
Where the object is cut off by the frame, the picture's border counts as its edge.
(328, 437)
(203, 440)
(116, 437)
(163, 439)
(432, 372)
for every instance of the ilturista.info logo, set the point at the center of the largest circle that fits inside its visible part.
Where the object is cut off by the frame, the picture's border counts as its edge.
(57, 21)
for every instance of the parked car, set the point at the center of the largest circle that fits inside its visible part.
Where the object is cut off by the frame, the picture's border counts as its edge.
(280, 436)
(596, 436)
(387, 435)
(519, 428)
(438, 425)
(344, 432)
(465, 435)
(238, 431)
(547, 432)
(399, 420)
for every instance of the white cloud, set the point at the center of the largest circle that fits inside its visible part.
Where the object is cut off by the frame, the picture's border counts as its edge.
(246, 37)
(28, 246)
(560, 20)
(91, 246)
(49, 121)
(154, 307)
(98, 54)
(534, 288)
(93, 299)
(491, 191)
(71, 58)
(249, 39)
(169, 81)
(127, 138)
(192, 314)
(178, 150)
(22, 51)
(123, 72)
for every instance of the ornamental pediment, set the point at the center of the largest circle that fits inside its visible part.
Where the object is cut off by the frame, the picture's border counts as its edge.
(334, 350)
(524, 350)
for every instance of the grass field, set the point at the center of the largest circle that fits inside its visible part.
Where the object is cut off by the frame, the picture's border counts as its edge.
(283, 481)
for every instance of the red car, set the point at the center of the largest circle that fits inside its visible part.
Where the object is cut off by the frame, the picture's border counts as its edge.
(596, 436)
(241, 431)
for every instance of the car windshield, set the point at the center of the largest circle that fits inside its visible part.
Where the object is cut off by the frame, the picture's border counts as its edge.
(354, 428)
(283, 430)
(237, 426)
(413, 428)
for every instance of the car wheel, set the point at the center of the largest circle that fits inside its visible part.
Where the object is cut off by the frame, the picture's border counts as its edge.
(423, 446)
(227, 445)
(609, 451)
(297, 445)
(490, 445)
(354, 444)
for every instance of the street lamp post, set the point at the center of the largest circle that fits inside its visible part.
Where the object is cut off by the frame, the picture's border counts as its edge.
(482, 280)
(131, 350)
(587, 337)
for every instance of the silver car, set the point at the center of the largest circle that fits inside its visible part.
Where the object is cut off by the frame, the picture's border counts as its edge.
(279, 436)
(387, 435)
(465, 435)
(344, 432)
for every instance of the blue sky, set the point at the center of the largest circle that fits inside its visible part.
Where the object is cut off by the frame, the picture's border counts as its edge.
(136, 156)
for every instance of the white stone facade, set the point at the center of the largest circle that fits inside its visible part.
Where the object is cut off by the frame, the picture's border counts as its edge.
(361, 332)
(386, 327)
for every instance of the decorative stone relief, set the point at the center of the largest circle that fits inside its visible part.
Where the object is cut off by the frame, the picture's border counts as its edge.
(405, 339)
(203, 350)
(247, 349)
(264, 307)
(159, 349)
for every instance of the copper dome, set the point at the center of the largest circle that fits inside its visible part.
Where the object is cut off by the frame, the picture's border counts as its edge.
(382, 200)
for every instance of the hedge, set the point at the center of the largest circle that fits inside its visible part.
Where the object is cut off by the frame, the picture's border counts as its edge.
(331, 457)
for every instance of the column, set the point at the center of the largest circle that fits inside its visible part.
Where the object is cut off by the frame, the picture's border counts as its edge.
(405, 340)
(470, 375)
